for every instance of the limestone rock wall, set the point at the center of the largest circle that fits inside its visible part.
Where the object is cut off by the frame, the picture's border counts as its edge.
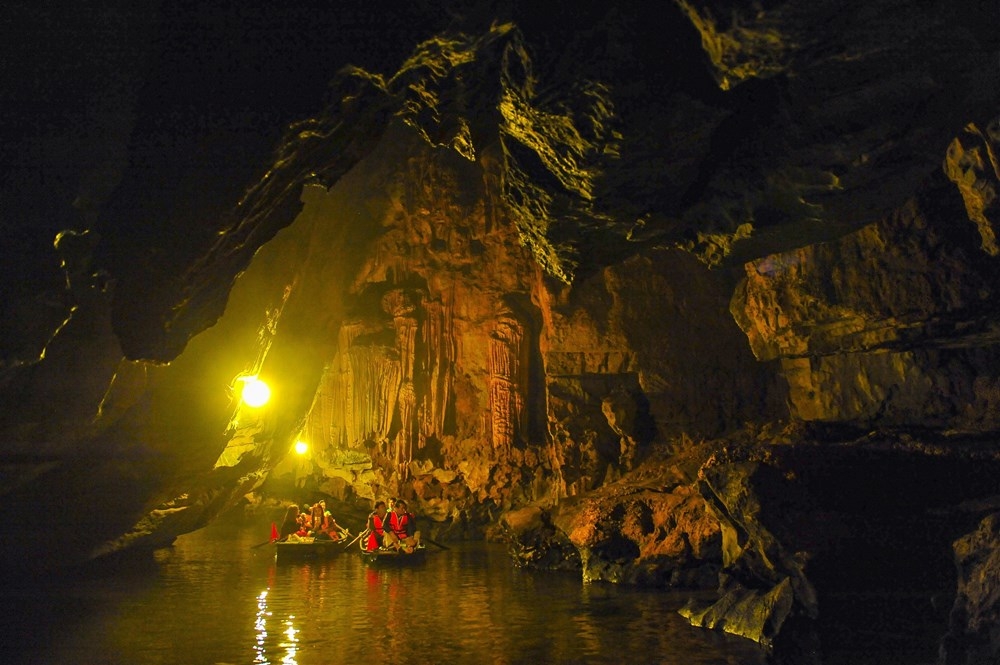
(970, 638)
(972, 164)
(892, 324)
(455, 372)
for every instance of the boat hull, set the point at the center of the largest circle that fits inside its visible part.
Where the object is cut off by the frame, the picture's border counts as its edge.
(384, 557)
(317, 549)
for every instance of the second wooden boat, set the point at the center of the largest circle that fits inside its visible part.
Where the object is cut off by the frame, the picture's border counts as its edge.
(308, 548)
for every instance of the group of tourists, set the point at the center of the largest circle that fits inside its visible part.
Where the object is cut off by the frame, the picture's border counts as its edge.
(313, 521)
(392, 529)
(390, 526)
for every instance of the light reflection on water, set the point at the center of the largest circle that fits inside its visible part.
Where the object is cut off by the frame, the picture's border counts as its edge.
(215, 600)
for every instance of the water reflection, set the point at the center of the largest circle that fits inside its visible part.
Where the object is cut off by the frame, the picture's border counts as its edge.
(288, 648)
(260, 627)
(291, 645)
(217, 600)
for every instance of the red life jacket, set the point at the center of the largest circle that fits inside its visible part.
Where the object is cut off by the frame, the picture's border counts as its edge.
(378, 523)
(398, 524)
(375, 537)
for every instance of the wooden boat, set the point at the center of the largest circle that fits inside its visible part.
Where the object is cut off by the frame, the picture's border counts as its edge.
(308, 548)
(393, 557)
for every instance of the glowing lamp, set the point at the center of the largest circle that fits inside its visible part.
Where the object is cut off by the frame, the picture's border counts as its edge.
(255, 392)
(301, 447)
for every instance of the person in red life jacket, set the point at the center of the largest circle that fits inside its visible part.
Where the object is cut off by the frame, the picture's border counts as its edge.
(376, 527)
(401, 530)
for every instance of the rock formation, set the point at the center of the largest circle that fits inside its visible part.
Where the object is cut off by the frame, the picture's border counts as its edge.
(698, 301)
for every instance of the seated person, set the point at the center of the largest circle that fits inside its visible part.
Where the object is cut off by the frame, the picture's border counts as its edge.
(316, 520)
(376, 527)
(330, 527)
(305, 518)
(291, 524)
(401, 531)
(319, 523)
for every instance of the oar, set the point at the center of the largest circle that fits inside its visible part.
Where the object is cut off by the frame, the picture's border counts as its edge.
(434, 542)
(266, 542)
(356, 538)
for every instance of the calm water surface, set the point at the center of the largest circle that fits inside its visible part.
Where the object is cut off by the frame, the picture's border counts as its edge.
(213, 598)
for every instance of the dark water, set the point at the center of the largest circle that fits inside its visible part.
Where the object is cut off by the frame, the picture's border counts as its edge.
(212, 598)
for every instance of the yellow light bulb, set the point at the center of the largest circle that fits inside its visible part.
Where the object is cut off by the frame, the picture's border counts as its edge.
(301, 447)
(255, 392)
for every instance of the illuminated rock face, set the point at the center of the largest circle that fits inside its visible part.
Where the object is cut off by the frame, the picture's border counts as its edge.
(974, 613)
(891, 325)
(454, 369)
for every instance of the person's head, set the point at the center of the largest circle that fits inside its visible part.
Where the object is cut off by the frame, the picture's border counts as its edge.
(400, 506)
(292, 512)
(380, 507)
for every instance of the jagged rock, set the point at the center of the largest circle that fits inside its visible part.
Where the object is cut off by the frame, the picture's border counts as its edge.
(755, 614)
(823, 519)
(766, 578)
(972, 634)
(648, 528)
(971, 164)
(534, 542)
(867, 327)
(832, 174)
(651, 536)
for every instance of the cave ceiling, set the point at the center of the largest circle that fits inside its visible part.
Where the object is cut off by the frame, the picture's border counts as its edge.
(732, 130)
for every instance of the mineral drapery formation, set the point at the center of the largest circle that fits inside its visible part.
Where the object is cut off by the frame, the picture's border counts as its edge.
(700, 300)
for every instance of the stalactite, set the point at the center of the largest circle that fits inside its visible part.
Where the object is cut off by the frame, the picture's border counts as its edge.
(375, 382)
(406, 339)
(400, 456)
(439, 346)
(507, 386)
(324, 425)
(326, 397)
(402, 305)
(357, 398)
(403, 452)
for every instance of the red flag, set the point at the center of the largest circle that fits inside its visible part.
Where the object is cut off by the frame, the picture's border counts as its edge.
(274, 531)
